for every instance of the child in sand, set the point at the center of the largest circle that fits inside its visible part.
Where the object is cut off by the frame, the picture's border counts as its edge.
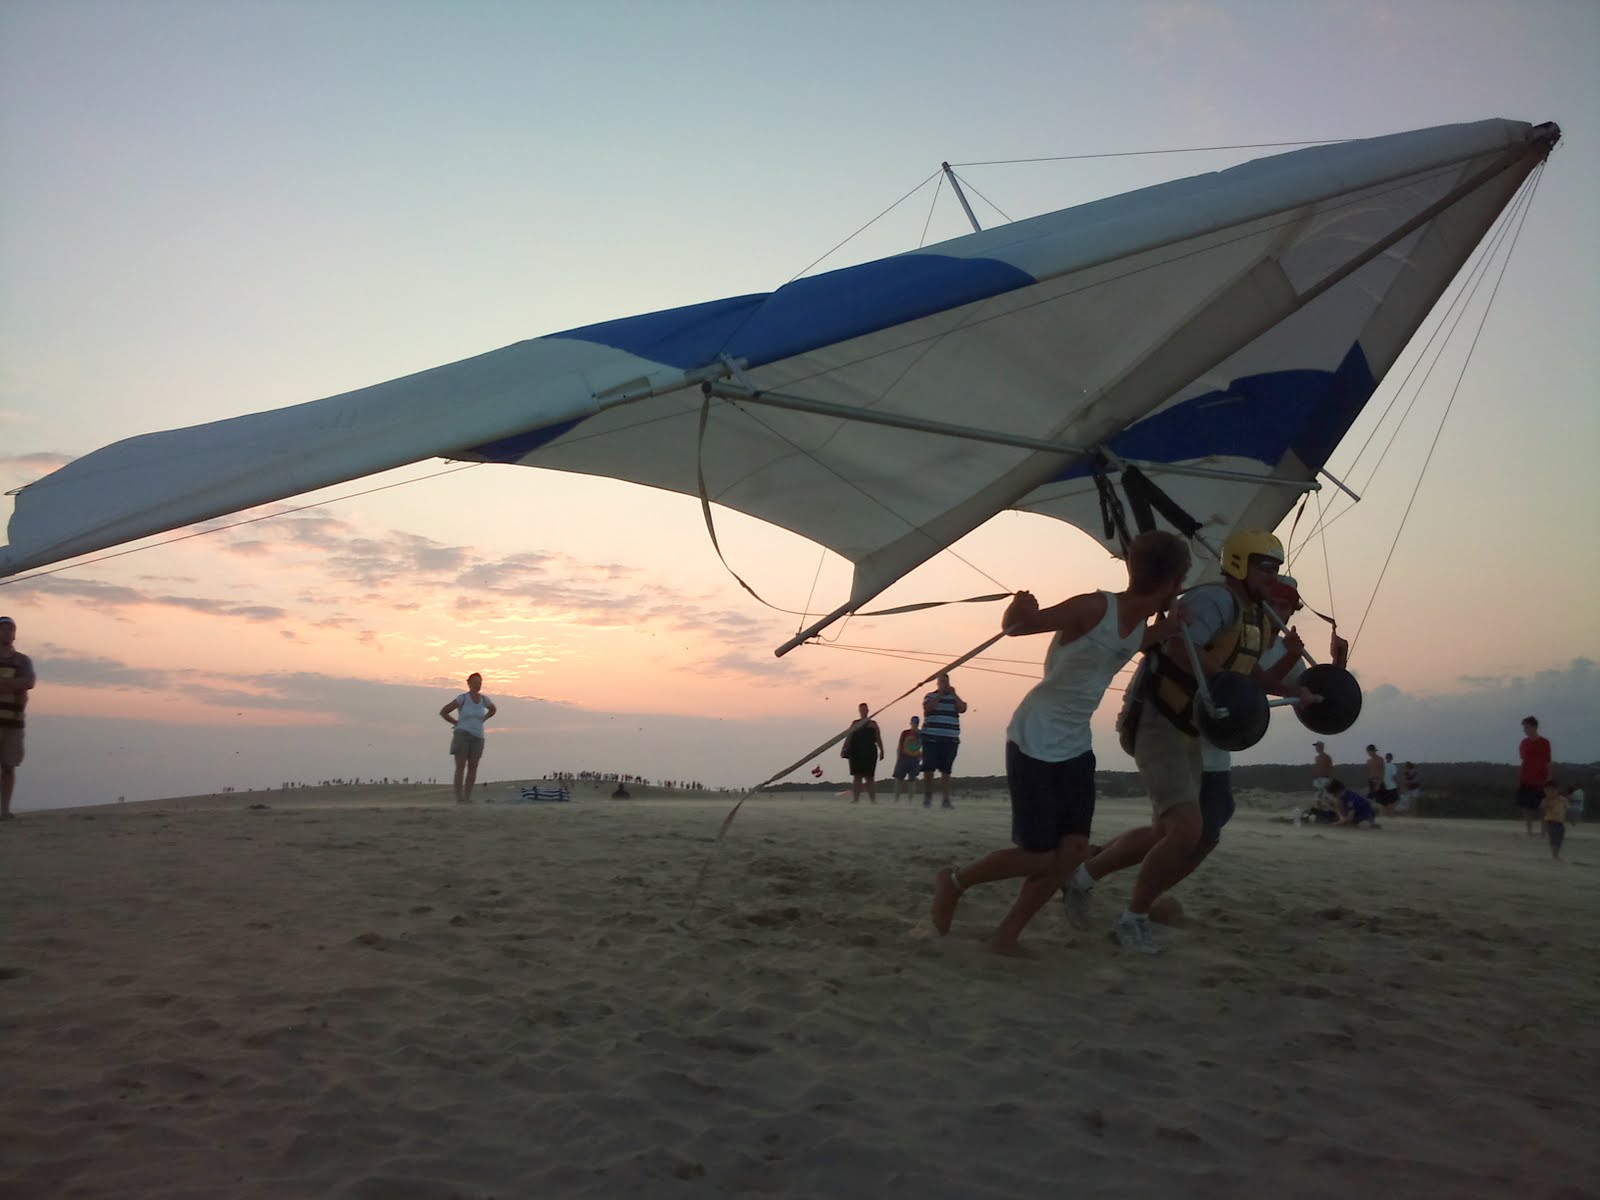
(1049, 748)
(1553, 811)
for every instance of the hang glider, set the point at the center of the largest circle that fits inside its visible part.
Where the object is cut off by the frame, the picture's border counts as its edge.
(1222, 332)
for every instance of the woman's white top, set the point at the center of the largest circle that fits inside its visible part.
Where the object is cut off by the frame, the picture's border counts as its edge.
(470, 713)
(1052, 722)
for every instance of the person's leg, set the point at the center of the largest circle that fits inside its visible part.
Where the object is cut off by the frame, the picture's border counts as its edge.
(872, 784)
(461, 771)
(471, 780)
(8, 784)
(927, 787)
(1125, 850)
(1168, 860)
(1036, 891)
(944, 783)
(855, 788)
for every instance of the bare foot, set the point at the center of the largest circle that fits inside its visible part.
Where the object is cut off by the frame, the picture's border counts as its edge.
(946, 895)
(1006, 949)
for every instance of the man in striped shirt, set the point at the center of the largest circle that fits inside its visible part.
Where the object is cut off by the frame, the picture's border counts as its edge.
(941, 735)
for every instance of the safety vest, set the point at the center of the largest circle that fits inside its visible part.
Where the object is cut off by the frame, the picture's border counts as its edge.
(1169, 686)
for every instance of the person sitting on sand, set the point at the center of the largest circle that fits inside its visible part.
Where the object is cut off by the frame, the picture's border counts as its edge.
(863, 746)
(1049, 746)
(1553, 811)
(472, 708)
(1355, 810)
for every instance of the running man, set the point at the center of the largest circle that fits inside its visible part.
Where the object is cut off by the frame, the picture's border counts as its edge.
(1282, 662)
(1049, 747)
(1231, 630)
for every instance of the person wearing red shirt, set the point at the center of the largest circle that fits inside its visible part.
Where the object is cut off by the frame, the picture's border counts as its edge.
(1535, 752)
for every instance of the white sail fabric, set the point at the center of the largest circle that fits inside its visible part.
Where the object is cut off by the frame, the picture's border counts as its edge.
(1170, 325)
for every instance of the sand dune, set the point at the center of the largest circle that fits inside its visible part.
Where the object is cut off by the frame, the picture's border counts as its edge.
(382, 994)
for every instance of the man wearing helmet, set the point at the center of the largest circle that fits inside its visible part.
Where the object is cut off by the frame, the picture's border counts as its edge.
(1228, 623)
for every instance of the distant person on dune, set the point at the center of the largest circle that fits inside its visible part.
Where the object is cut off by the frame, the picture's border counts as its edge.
(1553, 810)
(908, 760)
(1049, 747)
(941, 736)
(1321, 770)
(471, 709)
(16, 681)
(863, 746)
(1535, 773)
(1411, 790)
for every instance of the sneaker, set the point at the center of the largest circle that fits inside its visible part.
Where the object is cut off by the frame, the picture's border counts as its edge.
(1076, 902)
(1133, 933)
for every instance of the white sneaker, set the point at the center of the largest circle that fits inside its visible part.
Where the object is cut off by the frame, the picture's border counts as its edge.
(1132, 932)
(1076, 902)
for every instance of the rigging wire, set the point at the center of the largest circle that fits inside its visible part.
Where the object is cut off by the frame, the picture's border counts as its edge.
(934, 203)
(973, 188)
(865, 227)
(1447, 324)
(1538, 174)
(287, 512)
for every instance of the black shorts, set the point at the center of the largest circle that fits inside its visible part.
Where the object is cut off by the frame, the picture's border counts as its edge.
(1388, 796)
(939, 754)
(864, 764)
(1216, 805)
(1530, 797)
(1049, 800)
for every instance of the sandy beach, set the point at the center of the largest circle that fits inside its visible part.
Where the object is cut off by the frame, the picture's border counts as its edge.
(377, 993)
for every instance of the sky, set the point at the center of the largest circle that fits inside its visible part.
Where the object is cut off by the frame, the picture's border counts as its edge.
(211, 210)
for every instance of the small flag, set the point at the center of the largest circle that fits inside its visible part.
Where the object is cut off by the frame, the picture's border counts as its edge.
(817, 770)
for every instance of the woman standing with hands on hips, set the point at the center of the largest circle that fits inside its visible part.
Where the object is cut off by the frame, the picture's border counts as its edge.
(472, 708)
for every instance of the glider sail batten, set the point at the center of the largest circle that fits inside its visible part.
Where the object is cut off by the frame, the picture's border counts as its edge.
(1075, 326)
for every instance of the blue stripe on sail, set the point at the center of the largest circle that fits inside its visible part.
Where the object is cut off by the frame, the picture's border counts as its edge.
(807, 313)
(1257, 416)
(518, 445)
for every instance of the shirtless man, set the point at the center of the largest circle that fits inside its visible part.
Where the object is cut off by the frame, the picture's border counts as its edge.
(1322, 770)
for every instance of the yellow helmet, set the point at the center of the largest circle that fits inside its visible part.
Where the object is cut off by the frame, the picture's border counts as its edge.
(1244, 544)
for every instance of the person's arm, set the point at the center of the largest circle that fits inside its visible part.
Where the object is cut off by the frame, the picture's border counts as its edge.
(878, 734)
(1072, 618)
(448, 709)
(21, 679)
(490, 710)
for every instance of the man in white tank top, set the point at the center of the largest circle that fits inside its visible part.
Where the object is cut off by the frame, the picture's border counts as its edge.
(1049, 749)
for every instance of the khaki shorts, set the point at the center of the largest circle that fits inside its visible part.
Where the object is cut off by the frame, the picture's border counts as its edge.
(10, 747)
(464, 745)
(1168, 761)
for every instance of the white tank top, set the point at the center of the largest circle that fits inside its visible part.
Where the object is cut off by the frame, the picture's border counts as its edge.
(469, 716)
(1052, 722)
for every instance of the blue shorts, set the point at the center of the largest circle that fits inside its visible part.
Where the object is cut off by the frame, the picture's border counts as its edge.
(939, 754)
(1049, 800)
(907, 766)
(1216, 805)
